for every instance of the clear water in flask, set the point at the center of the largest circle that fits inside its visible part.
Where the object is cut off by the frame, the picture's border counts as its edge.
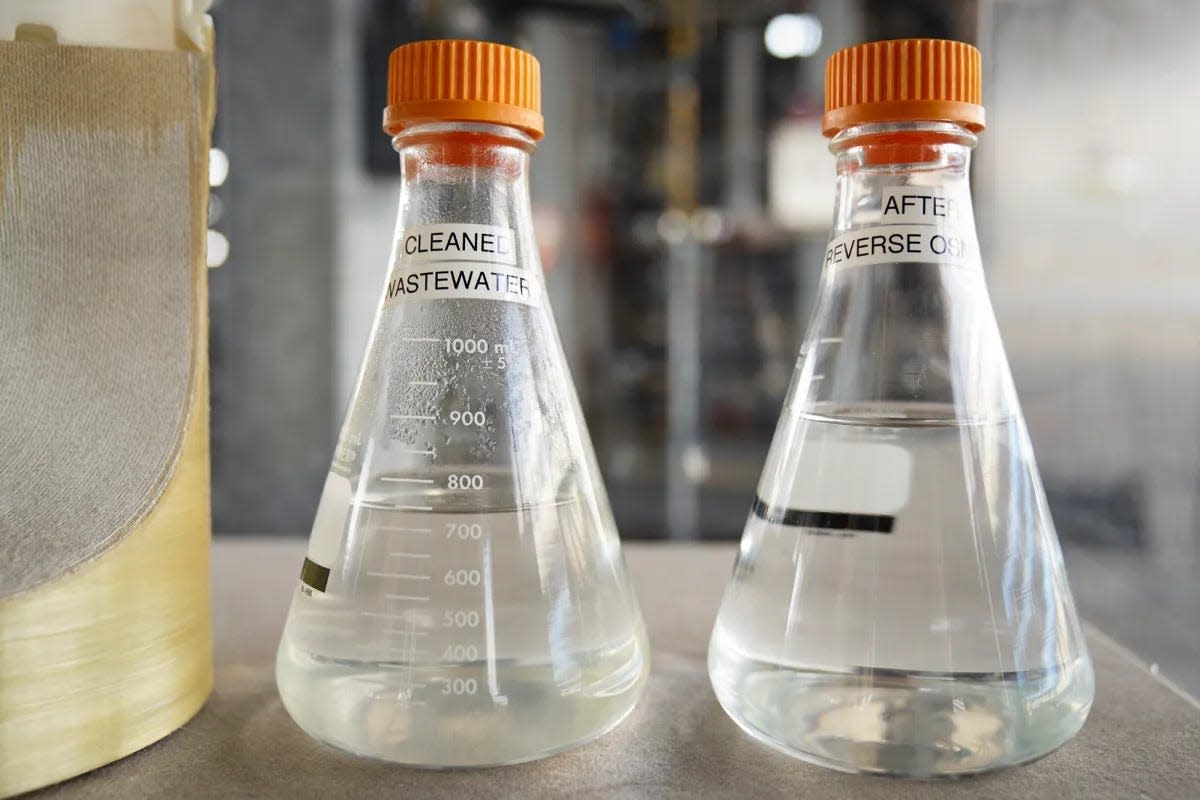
(922, 638)
(475, 609)
(452, 649)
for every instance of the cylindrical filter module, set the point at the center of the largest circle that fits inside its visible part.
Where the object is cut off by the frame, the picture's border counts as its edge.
(105, 641)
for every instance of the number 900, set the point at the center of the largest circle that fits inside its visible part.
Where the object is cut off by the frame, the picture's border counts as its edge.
(468, 418)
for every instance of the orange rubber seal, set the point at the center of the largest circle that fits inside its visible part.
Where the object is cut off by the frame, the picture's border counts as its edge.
(455, 80)
(904, 80)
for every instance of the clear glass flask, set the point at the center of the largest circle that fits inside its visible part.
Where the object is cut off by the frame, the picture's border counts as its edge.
(464, 601)
(899, 603)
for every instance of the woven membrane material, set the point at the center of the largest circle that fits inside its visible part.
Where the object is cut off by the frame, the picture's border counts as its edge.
(98, 316)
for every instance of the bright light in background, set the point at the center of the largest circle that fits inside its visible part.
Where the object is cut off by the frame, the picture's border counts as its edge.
(708, 225)
(792, 35)
(218, 166)
(673, 226)
(218, 248)
(798, 176)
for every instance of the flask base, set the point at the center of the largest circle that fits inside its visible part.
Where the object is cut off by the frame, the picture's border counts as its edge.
(401, 715)
(920, 725)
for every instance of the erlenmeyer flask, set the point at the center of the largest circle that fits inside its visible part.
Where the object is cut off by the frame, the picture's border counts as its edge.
(464, 601)
(899, 603)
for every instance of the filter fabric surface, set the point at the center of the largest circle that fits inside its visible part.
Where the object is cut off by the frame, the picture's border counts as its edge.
(98, 317)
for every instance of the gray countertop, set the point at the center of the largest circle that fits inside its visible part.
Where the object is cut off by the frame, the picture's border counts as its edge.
(1141, 741)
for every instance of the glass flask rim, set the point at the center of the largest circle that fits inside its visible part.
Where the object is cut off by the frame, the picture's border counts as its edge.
(505, 135)
(951, 132)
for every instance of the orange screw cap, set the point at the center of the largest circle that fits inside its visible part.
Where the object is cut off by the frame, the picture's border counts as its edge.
(456, 80)
(903, 80)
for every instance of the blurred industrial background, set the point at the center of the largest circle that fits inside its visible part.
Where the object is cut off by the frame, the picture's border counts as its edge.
(683, 198)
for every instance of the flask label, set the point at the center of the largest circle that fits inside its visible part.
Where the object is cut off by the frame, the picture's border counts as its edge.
(329, 528)
(839, 485)
(491, 244)
(891, 244)
(459, 261)
(463, 281)
(920, 205)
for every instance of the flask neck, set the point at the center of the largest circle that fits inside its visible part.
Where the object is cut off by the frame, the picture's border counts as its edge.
(874, 158)
(466, 173)
(903, 327)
